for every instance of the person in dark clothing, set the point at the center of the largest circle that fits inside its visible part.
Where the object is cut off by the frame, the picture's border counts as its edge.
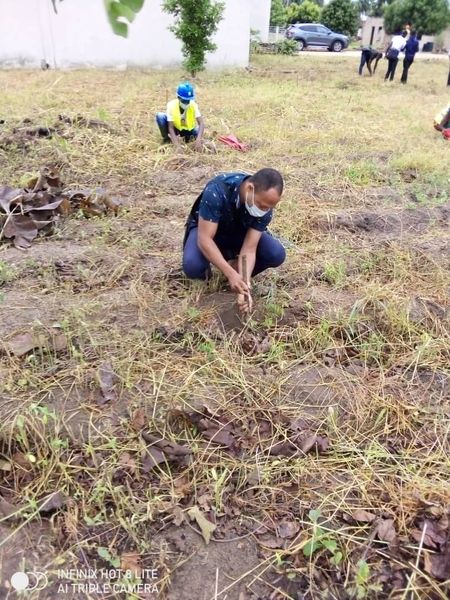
(448, 80)
(411, 48)
(396, 46)
(228, 221)
(368, 55)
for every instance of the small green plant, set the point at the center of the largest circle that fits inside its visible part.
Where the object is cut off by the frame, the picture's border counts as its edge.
(363, 173)
(371, 349)
(321, 540)
(7, 272)
(103, 114)
(255, 42)
(219, 480)
(362, 588)
(287, 47)
(193, 313)
(273, 312)
(208, 347)
(43, 413)
(104, 553)
(334, 273)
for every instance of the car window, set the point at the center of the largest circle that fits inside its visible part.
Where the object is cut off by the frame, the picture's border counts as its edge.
(309, 28)
(322, 29)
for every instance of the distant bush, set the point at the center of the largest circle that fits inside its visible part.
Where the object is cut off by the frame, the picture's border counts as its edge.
(286, 47)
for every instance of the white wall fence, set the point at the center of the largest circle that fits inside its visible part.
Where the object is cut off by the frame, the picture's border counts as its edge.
(276, 33)
(80, 36)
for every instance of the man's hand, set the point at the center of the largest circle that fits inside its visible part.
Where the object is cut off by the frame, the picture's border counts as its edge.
(238, 284)
(198, 146)
(245, 303)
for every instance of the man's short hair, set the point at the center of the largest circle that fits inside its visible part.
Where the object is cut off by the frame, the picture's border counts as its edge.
(266, 179)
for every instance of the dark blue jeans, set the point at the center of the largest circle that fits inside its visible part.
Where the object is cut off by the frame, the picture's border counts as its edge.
(161, 121)
(269, 253)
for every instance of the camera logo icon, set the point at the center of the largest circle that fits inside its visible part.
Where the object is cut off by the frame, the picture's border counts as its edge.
(29, 581)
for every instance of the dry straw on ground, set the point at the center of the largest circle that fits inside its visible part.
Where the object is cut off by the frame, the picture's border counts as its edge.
(313, 438)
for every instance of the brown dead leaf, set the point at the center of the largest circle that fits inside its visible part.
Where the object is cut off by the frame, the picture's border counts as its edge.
(436, 533)
(8, 196)
(288, 529)
(127, 462)
(161, 451)
(53, 501)
(65, 208)
(206, 527)
(219, 434)
(205, 501)
(22, 460)
(22, 229)
(5, 465)
(386, 531)
(270, 541)
(314, 442)
(438, 565)
(58, 342)
(178, 516)
(284, 448)
(24, 213)
(362, 516)
(23, 343)
(217, 428)
(131, 561)
(8, 510)
(107, 380)
(150, 458)
(252, 344)
(138, 419)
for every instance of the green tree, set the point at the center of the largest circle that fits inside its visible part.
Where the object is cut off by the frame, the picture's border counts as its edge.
(309, 12)
(341, 16)
(426, 16)
(306, 12)
(365, 6)
(277, 13)
(377, 7)
(292, 11)
(196, 21)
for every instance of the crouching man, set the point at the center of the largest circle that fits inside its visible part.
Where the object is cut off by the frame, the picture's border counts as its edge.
(227, 227)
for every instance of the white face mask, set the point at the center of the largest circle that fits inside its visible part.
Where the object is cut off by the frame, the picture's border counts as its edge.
(184, 105)
(252, 209)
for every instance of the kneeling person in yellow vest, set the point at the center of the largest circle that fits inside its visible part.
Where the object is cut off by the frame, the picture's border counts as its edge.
(182, 119)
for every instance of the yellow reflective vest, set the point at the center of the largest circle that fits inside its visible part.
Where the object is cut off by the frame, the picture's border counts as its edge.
(187, 122)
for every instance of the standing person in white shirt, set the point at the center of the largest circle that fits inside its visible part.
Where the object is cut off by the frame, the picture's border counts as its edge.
(396, 46)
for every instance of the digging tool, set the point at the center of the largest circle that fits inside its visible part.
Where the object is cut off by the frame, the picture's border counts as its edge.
(244, 274)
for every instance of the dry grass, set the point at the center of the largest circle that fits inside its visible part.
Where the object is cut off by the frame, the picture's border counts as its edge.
(351, 335)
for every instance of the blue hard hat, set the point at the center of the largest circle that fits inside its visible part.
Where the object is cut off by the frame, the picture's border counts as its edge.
(185, 91)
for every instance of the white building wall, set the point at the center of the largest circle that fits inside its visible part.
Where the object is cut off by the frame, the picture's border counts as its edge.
(373, 33)
(80, 35)
(260, 18)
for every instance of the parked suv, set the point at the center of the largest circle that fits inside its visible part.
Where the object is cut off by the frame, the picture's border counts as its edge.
(315, 34)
